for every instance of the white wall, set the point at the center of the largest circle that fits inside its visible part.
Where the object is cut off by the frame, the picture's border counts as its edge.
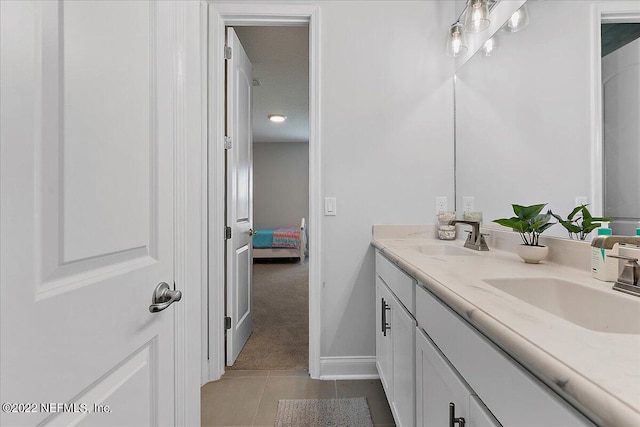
(280, 184)
(387, 132)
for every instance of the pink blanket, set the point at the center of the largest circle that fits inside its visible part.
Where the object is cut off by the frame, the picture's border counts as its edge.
(286, 238)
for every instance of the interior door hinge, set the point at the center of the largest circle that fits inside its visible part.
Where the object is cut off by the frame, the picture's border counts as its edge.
(227, 233)
(227, 52)
(227, 142)
(227, 322)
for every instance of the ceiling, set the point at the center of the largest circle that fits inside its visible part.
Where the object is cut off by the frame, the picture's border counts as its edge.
(280, 58)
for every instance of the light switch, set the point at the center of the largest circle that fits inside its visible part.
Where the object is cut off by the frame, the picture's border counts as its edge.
(330, 207)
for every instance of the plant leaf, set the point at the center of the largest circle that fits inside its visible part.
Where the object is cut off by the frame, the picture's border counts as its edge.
(528, 212)
(514, 223)
(542, 228)
(575, 211)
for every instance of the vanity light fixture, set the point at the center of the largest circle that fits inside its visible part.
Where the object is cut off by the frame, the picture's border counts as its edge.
(277, 118)
(456, 43)
(476, 19)
(477, 16)
(518, 20)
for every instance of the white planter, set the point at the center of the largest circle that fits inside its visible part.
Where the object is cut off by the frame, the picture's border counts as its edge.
(532, 254)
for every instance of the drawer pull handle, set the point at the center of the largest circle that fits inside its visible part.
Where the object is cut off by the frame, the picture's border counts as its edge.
(452, 416)
(385, 325)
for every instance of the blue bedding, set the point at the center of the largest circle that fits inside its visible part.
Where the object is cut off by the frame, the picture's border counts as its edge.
(263, 238)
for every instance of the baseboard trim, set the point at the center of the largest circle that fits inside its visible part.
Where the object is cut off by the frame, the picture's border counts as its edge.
(348, 368)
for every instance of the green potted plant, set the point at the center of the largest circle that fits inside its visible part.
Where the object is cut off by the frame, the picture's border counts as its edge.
(580, 223)
(530, 223)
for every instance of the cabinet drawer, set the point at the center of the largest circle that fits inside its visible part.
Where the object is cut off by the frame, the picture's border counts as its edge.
(514, 395)
(401, 284)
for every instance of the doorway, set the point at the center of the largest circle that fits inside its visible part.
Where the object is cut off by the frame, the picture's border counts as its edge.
(279, 299)
(219, 17)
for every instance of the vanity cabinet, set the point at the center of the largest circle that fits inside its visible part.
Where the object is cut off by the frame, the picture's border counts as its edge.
(513, 395)
(428, 356)
(395, 341)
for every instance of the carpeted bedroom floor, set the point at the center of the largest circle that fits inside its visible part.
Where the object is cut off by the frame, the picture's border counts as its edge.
(280, 338)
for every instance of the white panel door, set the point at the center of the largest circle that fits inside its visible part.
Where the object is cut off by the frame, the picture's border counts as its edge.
(87, 114)
(621, 106)
(239, 198)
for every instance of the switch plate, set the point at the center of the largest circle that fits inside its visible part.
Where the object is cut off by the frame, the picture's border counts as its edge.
(442, 205)
(582, 200)
(468, 204)
(330, 206)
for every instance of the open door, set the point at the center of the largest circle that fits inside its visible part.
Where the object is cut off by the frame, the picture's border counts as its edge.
(239, 199)
(87, 183)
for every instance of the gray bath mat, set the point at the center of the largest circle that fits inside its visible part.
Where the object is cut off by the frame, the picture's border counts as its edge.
(353, 412)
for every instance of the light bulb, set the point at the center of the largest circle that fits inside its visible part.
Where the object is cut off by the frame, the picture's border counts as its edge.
(456, 43)
(490, 46)
(518, 20)
(477, 16)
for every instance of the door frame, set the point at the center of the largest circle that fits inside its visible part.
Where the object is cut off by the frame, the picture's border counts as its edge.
(190, 254)
(245, 14)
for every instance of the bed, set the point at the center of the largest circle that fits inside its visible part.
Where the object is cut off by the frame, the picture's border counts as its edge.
(281, 242)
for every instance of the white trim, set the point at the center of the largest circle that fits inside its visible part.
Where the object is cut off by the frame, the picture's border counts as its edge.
(619, 11)
(259, 14)
(190, 252)
(216, 207)
(349, 368)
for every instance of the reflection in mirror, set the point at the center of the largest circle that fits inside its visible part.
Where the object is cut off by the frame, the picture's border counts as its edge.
(524, 118)
(621, 129)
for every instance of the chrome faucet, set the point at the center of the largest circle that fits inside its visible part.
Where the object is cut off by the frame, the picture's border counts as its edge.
(629, 280)
(475, 239)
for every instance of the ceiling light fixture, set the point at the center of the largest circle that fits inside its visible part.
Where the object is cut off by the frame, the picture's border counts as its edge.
(277, 118)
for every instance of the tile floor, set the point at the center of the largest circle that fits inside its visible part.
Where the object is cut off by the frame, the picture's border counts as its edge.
(250, 398)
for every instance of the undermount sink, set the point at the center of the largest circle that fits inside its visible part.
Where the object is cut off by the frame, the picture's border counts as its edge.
(439, 250)
(591, 308)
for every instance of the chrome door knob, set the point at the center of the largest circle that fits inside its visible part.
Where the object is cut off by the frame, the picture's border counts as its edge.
(163, 297)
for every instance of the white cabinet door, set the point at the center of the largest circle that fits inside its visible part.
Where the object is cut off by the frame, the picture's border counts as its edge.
(384, 344)
(437, 385)
(403, 327)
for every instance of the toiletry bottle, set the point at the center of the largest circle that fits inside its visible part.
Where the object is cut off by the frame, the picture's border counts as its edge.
(604, 267)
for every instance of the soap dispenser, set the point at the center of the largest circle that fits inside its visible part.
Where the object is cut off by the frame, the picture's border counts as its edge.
(604, 267)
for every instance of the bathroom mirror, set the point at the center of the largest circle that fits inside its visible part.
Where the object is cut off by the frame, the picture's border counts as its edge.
(525, 119)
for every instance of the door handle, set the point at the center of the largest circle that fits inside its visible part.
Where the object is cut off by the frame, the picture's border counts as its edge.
(163, 297)
(252, 232)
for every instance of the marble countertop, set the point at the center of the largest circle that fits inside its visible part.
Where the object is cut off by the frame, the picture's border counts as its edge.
(599, 372)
